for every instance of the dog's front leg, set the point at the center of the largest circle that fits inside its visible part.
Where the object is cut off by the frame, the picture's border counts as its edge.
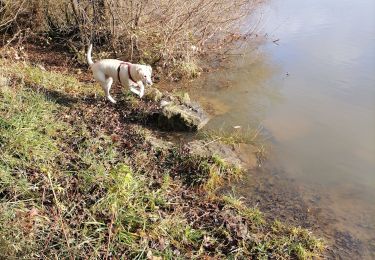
(141, 89)
(134, 90)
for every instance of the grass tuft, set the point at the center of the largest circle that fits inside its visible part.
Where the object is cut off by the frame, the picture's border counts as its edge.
(187, 69)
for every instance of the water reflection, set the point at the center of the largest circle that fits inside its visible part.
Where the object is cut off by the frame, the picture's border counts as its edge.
(238, 94)
(315, 93)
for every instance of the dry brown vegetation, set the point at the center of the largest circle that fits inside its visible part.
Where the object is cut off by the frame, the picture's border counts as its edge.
(171, 34)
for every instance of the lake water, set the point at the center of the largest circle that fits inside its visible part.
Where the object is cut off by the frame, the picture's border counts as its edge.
(311, 87)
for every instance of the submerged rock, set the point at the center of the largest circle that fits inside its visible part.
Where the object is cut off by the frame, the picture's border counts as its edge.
(247, 153)
(239, 155)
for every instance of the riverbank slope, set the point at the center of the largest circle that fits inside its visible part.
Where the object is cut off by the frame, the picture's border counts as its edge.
(81, 178)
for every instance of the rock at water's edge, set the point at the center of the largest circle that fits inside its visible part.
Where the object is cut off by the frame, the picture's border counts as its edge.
(240, 155)
(153, 94)
(182, 118)
(175, 112)
(180, 114)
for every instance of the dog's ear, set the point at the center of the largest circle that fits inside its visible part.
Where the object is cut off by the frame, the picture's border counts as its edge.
(149, 68)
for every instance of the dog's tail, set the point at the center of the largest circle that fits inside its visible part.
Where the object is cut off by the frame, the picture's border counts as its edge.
(88, 56)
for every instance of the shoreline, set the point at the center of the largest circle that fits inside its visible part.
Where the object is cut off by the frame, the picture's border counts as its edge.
(104, 172)
(282, 197)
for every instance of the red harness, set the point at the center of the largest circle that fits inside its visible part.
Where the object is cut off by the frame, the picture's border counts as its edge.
(129, 74)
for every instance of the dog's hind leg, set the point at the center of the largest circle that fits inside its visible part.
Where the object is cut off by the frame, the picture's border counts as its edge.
(107, 87)
(105, 82)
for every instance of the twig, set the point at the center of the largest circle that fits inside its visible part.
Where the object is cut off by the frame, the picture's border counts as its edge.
(13, 38)
(58, 212)
(110, 234)
(257, 132)
(212, 141)
(6, 23)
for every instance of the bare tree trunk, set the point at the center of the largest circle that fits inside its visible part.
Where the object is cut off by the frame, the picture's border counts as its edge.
(37, 15)
(75, 8)
(80, 22)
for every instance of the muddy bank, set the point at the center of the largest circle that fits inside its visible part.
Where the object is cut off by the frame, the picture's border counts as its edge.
(281, 198)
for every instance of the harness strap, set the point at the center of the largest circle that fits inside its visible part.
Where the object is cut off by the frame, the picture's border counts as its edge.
(129, 74)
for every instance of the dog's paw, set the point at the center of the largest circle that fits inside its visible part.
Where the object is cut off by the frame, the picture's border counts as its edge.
(135, 91)
(112, 100)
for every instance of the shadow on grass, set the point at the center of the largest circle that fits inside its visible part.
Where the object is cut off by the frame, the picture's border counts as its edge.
(129, 109)
(55, 96)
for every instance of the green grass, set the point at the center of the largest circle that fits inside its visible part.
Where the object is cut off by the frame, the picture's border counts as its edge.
(208, 173)
(124, 216)
(69, 190)
(27, 146)
(236, 136)
(252, 214)
(50, 80)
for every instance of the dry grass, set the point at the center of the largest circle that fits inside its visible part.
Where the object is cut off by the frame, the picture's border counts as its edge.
(172, 34)
(238, 136)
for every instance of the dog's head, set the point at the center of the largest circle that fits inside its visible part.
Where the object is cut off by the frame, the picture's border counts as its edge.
(145, 72)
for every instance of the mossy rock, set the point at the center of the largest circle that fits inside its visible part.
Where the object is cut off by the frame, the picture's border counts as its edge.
(182, 117)
(153, 94)
(241, 156)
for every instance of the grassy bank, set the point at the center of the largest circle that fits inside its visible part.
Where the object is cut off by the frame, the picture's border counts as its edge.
(79, 179)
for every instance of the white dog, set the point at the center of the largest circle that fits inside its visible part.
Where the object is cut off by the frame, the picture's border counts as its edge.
(108, 70)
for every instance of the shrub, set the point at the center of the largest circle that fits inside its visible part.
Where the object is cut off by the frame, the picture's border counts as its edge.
(167, 33)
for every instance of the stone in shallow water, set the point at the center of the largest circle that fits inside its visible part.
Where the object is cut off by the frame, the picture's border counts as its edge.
(239, 155)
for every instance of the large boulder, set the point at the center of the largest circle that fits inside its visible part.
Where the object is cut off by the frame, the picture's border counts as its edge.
(176, 112)
(182, 117)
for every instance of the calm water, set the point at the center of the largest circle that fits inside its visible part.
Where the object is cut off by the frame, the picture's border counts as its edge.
(313, 91)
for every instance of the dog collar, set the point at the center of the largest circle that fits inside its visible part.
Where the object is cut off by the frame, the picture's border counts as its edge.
(129, 74)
